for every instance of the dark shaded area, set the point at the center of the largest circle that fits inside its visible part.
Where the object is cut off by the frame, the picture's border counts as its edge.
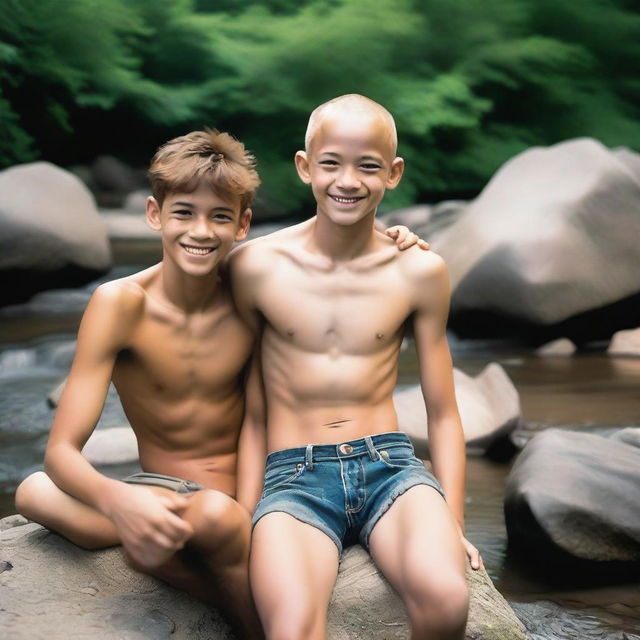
(589, 326)
(20, 285)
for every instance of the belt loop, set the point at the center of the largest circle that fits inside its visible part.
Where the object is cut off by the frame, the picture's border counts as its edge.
(373, 454)
(308, 457)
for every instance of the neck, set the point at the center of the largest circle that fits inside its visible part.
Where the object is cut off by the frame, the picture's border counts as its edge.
(342, 243)
(188, 293)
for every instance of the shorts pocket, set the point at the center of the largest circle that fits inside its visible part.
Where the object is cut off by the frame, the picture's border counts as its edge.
(281, 475)
(399, 458)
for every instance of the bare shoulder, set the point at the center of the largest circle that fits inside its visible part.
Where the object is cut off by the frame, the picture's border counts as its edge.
(254, 256)
(116, 306)
(421, 266)
(426, 276)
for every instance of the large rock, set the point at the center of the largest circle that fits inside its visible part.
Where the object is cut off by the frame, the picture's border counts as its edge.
(577, 493)
(625, 343)
(489, 407)
(552, 236)
(54, 590)
(426, 220)
(50, 232)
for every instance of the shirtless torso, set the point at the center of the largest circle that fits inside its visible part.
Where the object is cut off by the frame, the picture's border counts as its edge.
(332, 333)
(181, 394)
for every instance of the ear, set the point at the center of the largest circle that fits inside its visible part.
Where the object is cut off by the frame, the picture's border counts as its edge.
(153, 214)
(243, 228)
(397, 169)
(302, 166)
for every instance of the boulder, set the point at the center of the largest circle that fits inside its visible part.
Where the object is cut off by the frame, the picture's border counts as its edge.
(536, 246)
(489, 407)
(111, 445)
(50, 232)
(55, 590)
(559, 347)
(426, 220)
(136, 201)
(577, 493)
(112, 180)
(625, 343)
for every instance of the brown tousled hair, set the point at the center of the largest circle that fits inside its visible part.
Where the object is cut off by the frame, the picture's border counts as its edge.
(204, 157)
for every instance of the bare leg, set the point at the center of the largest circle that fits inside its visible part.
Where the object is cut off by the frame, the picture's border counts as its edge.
(39, 499)
(293, 569)
(417, 547)
(213, 566)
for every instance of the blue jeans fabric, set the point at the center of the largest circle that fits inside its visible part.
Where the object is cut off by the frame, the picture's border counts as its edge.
(342, 489)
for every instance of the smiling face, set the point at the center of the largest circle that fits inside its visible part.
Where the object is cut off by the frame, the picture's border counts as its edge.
(350, 162)
(198, 229)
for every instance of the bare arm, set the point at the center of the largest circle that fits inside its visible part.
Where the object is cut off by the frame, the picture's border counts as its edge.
(252, 446)
(446, 438)
(148, 525)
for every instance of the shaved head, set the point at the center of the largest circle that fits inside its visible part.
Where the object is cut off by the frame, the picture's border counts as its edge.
(350, 104)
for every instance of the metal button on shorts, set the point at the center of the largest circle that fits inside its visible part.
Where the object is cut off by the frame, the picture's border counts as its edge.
(345, 448)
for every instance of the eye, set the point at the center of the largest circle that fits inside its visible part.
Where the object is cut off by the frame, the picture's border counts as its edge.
(182, 213)
(370, 166)
(328, 163)
(222, 217)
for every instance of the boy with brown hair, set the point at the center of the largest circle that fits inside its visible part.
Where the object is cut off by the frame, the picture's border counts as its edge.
(177, 352)
(332, 299)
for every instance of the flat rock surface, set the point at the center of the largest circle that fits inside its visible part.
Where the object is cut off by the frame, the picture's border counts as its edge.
(53, 590)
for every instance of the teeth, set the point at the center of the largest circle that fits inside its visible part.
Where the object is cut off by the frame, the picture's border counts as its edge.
(345, 200)
(198, 251)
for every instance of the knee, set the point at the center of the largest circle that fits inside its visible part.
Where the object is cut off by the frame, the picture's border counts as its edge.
(440, 608)
(30, 493)
(219, 519)
(289, 626)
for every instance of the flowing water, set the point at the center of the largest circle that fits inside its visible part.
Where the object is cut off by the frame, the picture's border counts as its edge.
(586, 391)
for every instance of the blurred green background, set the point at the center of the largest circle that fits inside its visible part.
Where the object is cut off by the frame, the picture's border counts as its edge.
(470, 82)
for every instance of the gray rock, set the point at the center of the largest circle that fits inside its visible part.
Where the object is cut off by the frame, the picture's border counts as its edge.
(50, 232)
(123, 225)
(426, 220)
(625, 343)
(54, 590)
(536, 244)
(112, 180)
(559, 347)
(489, 407)
(630, 436)
(136, 201)
(113, 445)
(576, 492)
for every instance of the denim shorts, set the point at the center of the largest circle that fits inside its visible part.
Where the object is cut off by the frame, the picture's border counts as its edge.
(342, 489)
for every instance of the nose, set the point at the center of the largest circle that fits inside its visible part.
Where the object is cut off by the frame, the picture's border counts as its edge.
(201, 229)
(348, 179)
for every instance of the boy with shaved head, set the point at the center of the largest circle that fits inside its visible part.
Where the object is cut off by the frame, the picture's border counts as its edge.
(332, 298)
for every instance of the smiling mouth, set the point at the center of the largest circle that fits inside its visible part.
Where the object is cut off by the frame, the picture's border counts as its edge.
(345, 200)
(198, 251)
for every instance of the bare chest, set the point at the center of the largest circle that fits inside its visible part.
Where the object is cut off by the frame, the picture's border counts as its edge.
(198, 356)
(344, 311)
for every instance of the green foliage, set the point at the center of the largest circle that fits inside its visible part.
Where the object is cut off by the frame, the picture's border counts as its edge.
(471, 83)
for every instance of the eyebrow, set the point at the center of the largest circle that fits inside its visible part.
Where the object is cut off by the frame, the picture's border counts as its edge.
(190, 205)
(377, 159)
